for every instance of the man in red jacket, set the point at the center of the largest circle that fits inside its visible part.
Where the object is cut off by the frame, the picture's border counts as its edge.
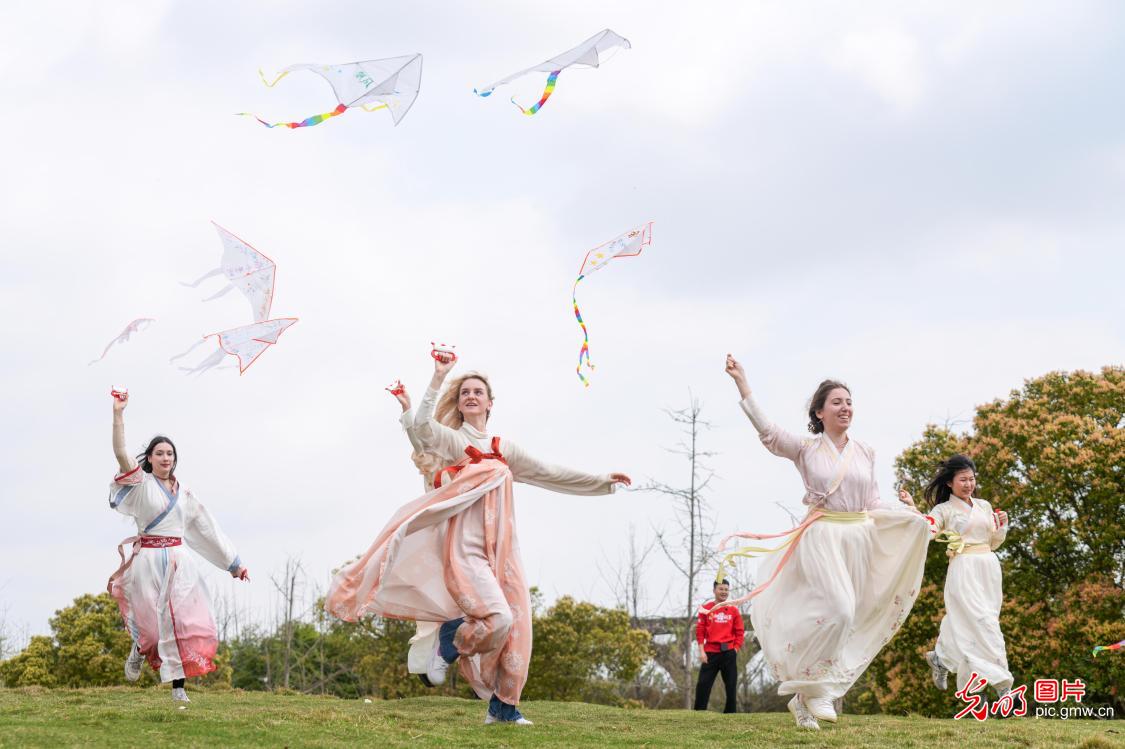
(719, 633)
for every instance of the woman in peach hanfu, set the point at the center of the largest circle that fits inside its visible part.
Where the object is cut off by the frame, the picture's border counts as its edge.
(842, 582)
(158, 587)
(969, 640)
(451, 556)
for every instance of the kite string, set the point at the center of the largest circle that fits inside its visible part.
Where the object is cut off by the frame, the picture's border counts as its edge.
(584, 352)
(550, 89)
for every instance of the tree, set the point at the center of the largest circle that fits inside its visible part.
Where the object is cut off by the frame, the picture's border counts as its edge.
(690, 550)
(584, 652)
(1053, 456)
(36, 664)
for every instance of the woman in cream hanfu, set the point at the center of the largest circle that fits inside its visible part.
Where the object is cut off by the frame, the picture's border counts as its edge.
(969, 640)
(158, 588)
(840, 585)
(451, 556)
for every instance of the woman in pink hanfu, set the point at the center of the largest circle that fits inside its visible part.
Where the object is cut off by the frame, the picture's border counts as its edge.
(842, 583)
(451, 556)
(158, 588)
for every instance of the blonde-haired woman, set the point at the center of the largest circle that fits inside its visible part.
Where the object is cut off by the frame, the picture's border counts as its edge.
(451, 556)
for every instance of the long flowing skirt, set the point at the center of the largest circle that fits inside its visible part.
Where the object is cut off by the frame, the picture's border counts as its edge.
(970, 639)
(843, 594)
(166, 607)
(452, 553)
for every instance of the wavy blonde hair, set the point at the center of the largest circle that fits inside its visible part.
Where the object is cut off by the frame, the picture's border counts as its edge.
(446, 411)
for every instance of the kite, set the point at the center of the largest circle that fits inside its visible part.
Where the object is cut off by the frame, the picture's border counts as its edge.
(587, 53)
(391, 83)
(246, 343)
(1111, 648)
(628, 244)
(248, 270)
(134, 327)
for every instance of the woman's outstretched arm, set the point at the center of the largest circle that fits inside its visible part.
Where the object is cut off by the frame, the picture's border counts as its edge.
(125, 461)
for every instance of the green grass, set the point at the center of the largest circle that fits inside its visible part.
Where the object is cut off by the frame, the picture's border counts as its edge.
(131, 717)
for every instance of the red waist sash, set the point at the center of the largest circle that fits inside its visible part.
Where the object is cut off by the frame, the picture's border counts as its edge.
(160, 542)
(474, 456)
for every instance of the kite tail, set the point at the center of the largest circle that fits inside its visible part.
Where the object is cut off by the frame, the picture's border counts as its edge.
(1114, 646)
(584, 352)
(275, 80)
(546, 95)
(190, 348)
(487, 92)
(201, 279)
(316, 119)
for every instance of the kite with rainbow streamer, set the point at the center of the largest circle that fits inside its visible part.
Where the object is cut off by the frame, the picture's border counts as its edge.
(1111, 648)
(628, 244)
(587, 53)
(370, 85)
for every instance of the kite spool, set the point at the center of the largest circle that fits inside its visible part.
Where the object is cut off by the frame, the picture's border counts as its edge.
(443, 349)
(120, 392)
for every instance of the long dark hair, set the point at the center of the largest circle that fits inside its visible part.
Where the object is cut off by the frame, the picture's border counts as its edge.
(938, 491)
(816, 426)
(143, 458)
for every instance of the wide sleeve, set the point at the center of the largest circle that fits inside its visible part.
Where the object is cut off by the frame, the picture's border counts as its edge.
(206, 538)
(434, 437)
(999, 532)
(529, 470)
(125, 492)
(936, 518)
(777, 440)
(407, 422)
(873, 502)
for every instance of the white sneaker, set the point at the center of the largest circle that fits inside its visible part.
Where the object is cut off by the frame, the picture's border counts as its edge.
(938, 672)
(801, 714)
(438, 668)
(821, 708)
(133, 664)
(179, 695)
(489, 719)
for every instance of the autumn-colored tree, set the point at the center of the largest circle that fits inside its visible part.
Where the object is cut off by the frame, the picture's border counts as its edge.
(1053, 456)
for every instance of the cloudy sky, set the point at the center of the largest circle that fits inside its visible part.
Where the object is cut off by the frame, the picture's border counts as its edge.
(924, 201)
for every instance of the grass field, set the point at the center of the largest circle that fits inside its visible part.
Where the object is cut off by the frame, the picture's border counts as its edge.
(129, 717)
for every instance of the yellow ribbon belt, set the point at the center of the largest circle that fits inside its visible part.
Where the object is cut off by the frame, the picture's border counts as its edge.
(751, 552)
(955, 544)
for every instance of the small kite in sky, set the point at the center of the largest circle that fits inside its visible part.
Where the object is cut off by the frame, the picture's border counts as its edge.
(587, 53)
(628, 244)
(391, 83)
(134, 327)
(246, 343)
(248, 270)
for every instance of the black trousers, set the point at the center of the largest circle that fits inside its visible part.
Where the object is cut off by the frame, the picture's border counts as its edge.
(725, 663)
